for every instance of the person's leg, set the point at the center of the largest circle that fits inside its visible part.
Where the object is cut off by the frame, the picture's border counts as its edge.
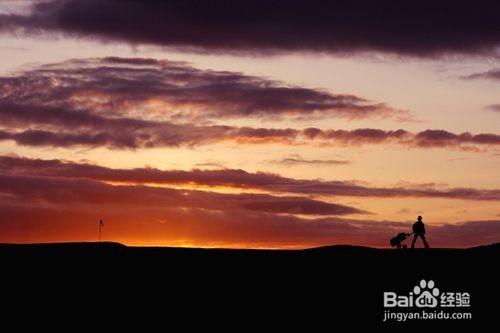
(425, 241)
(413, 241)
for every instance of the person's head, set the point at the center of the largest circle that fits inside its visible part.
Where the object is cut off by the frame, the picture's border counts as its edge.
(419, 218)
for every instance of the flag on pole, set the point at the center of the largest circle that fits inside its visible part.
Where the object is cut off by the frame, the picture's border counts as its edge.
(101, 224)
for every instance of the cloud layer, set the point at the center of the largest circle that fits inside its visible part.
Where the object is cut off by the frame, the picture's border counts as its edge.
(165, 134)
(296, 159)
(50, 200)
(50, 190)
(144, 103)
(493, 107)
(258, 26)
(35, 209)
(492, 74)
(226, 228)
(176, 91)
(235, 178)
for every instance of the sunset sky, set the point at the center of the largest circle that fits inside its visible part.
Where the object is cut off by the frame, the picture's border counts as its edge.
(256, 124)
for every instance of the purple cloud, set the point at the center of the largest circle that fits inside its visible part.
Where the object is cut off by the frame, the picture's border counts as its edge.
(239, 179)
(413, 28)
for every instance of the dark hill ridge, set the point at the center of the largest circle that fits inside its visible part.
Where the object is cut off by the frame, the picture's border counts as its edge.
(90, 246)
(62, 246)
(322, 286)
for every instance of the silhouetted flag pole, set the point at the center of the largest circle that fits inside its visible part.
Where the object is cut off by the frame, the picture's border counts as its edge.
(101, 224)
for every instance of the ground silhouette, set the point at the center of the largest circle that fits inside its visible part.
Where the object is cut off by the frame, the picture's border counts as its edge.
(319, 286)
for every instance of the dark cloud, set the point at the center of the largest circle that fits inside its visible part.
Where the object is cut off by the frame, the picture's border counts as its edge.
(412, 28)
(165, 134)
(442, 138)
(296, 159)
(156, 135)
(493, 74)
(424, 139)
(357, 136)
(405, 211)
(210, 164)
(467, 233)
(239, 179)
(176, 91)
(493, 107)
(134, 103)
(40, 190)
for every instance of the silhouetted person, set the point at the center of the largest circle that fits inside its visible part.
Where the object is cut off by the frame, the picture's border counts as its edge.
(419, 231)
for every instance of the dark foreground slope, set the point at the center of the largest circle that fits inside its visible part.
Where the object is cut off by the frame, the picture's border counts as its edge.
(319, 287)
